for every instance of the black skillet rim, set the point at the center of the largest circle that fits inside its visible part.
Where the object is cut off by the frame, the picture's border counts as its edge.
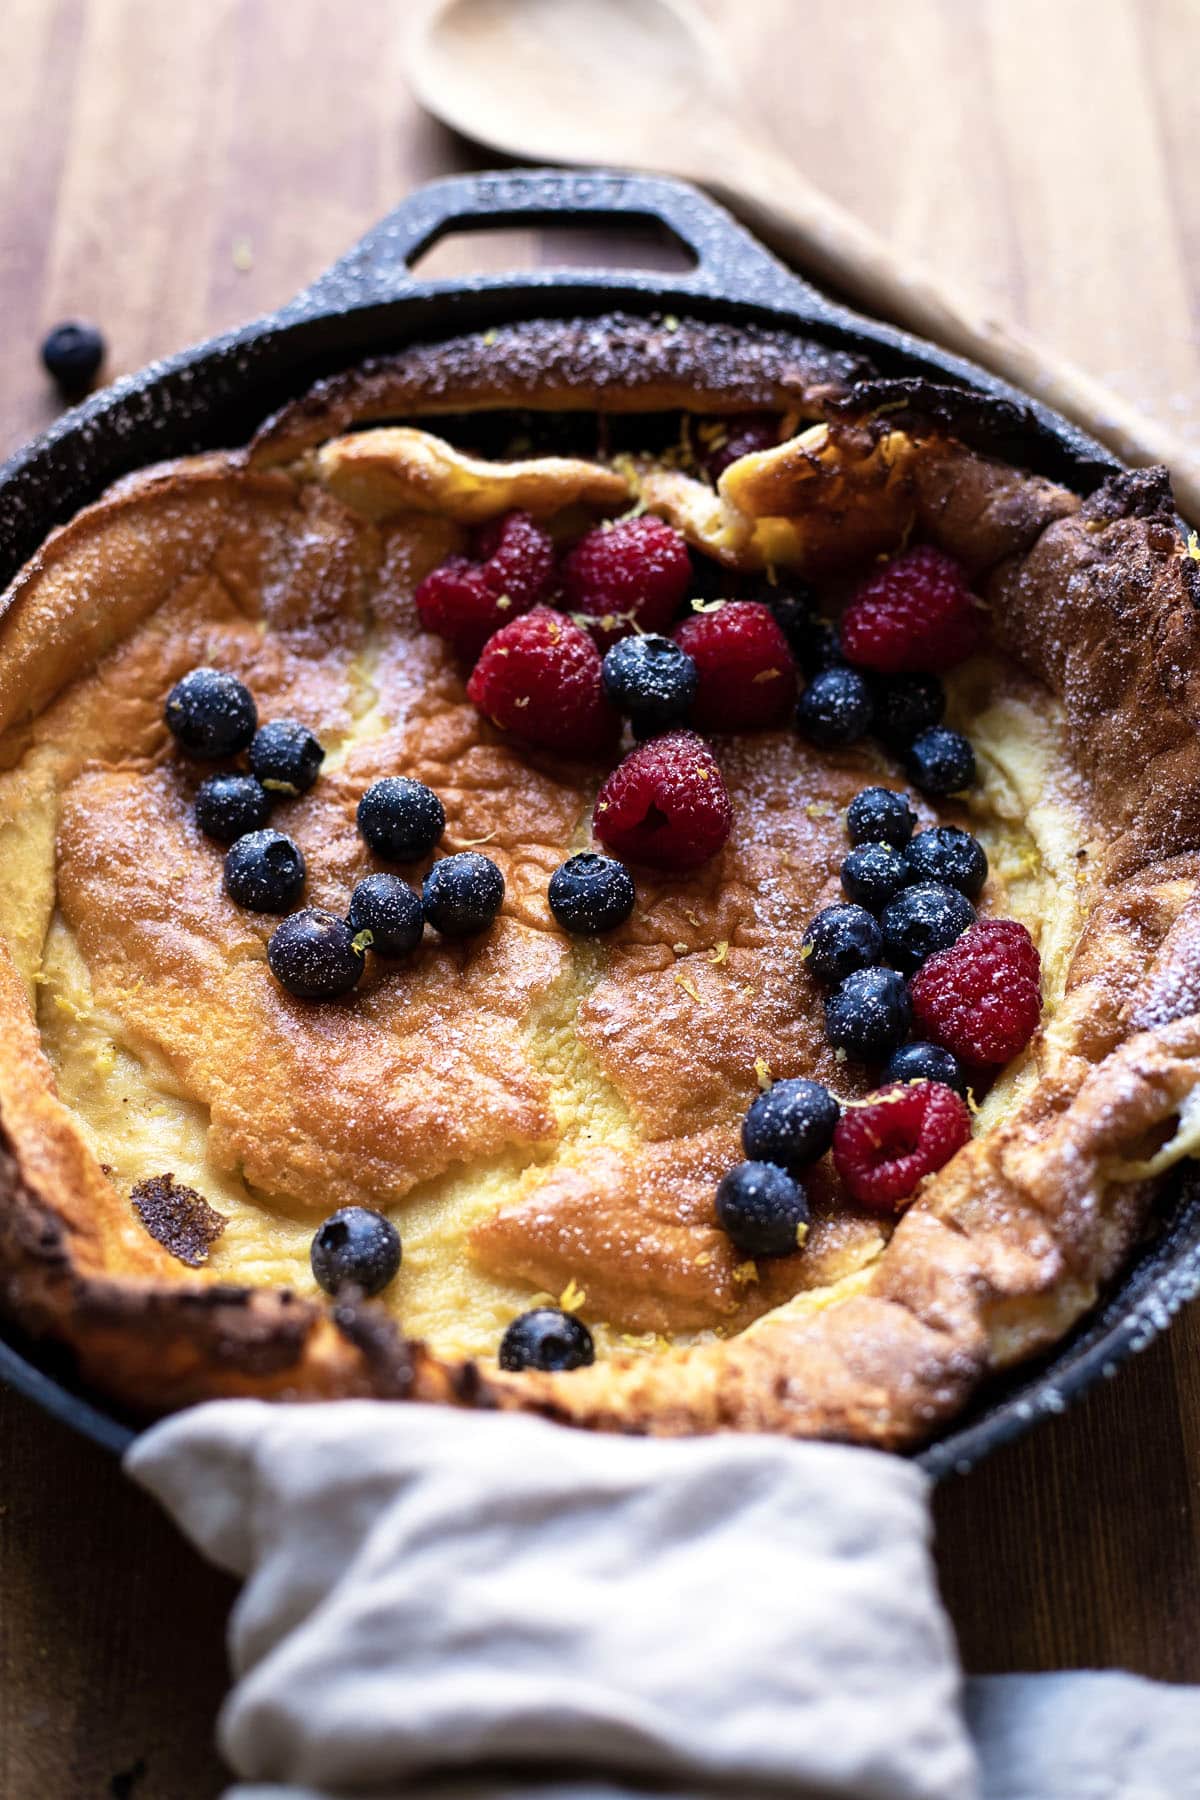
(368, 303)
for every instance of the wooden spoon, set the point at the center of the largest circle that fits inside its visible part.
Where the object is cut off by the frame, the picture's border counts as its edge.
(644, 83)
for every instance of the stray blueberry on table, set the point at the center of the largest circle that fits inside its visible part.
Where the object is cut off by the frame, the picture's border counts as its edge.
(839, 940)
(869, 1015)
(286, 756)
(953, 857)
(401, 819)
(763, 1210)
(923, 919)
(791, 1124)
(264, 872)
(906, 705)
(835, 708)
(925, 1062)
(315, 955)
(72, 354)
(591, 893)
(355, 1247)
(652, 680)
(941, 761)
(880, 815)
(546, 1339)
(229, 806)
(211, 714)
(874, 874)
(388, 908)
(463, 894)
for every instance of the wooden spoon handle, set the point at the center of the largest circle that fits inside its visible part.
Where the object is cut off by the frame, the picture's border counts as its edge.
(829, 243)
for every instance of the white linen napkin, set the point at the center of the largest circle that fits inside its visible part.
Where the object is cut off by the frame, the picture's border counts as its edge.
(485, 1606)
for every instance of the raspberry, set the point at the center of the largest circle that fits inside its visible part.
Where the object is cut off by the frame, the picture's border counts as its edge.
(465, 602)
(915, 613)
(723, 441)
(539, 678)
(517, 556)
(747, 676)
(635, 572)
(883, 1149)
(981, 998)
(666, 805)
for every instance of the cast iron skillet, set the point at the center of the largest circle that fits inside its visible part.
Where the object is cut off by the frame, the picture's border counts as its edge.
(369, 303)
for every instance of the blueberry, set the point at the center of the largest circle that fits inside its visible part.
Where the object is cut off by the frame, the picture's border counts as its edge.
(906, 705)
(388, 908)
(926, 1062)
(315, 955)
(355, 1247)
(652, 680)
(953, 857)
(874, 874)
(823, 651)
(941, 761)
(211, 714)
(812, 640)
(835, 708)
(763, 1210)
(72, 354)
(228, 806)
(923, 919)
(547, 1339)
(869, 1015)
(880, 815)
(795, 609)
(791, 1124)
(463, 894)
(286, 756)
(264, 871)
(840, 940)
(401, 819)
(591, 893)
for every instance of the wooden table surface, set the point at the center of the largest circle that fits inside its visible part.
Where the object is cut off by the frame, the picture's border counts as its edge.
(170, 170)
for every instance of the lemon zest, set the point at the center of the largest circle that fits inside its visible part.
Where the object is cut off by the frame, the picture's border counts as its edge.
(573, 1297)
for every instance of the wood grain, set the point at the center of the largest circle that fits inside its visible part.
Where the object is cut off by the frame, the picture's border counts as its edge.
(171, 170)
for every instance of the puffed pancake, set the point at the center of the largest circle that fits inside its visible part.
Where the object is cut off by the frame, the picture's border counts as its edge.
(545, 1116)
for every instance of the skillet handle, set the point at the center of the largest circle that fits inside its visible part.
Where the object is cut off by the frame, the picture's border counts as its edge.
(730, 263)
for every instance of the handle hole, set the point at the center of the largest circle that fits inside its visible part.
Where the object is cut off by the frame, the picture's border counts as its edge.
(466, 249)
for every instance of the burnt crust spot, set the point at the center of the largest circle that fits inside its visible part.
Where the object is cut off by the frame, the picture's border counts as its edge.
(1135, 494)
(913, 401)
(190, 1330)
(989, 423)
(178, 1218)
